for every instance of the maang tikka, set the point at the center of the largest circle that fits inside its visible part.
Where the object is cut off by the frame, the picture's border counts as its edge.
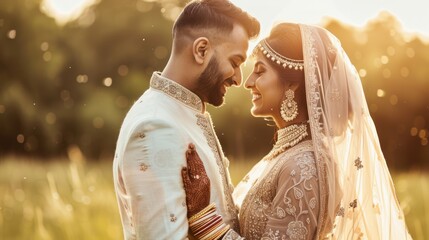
(289, 108)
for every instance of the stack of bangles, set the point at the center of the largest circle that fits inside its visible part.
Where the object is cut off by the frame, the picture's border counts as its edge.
(207, 224)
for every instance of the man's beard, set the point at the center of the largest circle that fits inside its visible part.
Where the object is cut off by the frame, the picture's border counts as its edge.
(210, 84)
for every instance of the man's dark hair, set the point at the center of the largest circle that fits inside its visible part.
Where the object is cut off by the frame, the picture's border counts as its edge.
(218, 15)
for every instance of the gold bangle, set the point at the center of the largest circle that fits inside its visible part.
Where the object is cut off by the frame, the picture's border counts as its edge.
(207, 228)
(200, 221)
(202, 212)
(220, 233)
(208, 233)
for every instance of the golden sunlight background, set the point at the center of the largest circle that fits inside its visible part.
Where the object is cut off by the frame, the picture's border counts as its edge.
(70, 70)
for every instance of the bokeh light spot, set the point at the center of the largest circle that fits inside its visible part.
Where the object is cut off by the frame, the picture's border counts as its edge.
(65, 95)
(384, 59)
(414, 131)
(381, 93)
(423, 133)
(98, 122)
(82, 78)
(47, 56)
(107, 82)
(362, 73)
(123, 70)
(44, 46)
(20, 138)
(11, 34)
(393, 100)
(51, 118)
(405, 72)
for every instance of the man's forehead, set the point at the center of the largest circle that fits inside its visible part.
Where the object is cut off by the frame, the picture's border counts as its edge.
(237, 43)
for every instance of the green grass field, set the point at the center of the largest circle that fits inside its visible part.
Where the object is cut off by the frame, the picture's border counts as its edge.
(75, 200)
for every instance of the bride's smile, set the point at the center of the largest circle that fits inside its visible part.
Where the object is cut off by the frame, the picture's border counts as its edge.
(256, 96)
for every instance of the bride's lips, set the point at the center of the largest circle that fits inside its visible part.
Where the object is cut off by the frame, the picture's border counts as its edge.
(256, 96)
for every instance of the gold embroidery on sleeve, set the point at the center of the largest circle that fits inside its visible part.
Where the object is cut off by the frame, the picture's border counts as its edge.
(144, 167)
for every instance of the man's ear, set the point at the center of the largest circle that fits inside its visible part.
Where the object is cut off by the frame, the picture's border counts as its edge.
(200, 49)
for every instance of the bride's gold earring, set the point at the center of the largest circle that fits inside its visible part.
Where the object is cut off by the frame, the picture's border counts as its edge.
(289, 108)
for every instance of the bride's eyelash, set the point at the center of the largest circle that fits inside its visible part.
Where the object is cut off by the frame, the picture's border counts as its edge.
(259, 70)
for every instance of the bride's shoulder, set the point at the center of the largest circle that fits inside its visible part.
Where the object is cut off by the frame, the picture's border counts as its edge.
(298, 158)
(302, 150)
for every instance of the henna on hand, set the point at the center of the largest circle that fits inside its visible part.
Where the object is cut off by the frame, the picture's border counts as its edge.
(196, 182)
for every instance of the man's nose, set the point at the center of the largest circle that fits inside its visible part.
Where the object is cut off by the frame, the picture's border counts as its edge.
(238, 78)
(249, 82)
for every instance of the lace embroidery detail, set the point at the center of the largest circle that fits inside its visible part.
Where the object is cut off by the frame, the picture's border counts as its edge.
(331, 49)
(273, 235)
(353, 204)
(232, 235)
(245, 179)
(144, 167)
(205, 124)
(296, 230)
(341, 212)
(335, 95)
(173, 218)
(257, 205)
(316, 123)
(358, 163)
(176, 91)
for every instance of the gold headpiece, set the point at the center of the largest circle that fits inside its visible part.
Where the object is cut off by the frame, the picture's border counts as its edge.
(278, 58)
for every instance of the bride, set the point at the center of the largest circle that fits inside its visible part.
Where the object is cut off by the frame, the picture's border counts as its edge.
(326, 177)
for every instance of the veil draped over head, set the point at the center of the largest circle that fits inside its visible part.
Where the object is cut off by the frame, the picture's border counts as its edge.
(357, 199)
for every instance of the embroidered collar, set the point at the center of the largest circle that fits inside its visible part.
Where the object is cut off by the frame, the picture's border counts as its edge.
(176, 91)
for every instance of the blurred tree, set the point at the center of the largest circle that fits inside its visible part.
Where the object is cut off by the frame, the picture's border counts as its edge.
(28, 83)
(114, 47)
(393, 69)
(72, 85)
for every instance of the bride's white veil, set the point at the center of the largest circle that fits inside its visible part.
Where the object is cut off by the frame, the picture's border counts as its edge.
(358, 199)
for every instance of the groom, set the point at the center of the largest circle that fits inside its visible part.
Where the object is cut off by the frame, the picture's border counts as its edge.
(210, 40)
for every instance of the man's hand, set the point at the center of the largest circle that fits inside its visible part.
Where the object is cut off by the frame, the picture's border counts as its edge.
(196, 182)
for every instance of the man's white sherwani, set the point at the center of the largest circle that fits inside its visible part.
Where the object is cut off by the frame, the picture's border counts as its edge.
(150, 154)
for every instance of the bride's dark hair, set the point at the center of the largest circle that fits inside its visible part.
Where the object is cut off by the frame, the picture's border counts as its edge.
(285, 39)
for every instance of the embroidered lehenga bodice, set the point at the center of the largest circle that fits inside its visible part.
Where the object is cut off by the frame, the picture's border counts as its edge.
(282, 196)
(338, 185)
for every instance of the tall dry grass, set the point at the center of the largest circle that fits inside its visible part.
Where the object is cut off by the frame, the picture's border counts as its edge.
(74, 199)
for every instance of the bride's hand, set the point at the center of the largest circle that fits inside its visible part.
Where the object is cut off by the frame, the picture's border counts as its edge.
(196, 182)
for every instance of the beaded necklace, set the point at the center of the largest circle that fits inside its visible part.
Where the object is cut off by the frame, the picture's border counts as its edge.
(287, 137)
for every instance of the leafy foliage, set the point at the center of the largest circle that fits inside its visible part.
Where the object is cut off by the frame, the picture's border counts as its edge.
(71, 85)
